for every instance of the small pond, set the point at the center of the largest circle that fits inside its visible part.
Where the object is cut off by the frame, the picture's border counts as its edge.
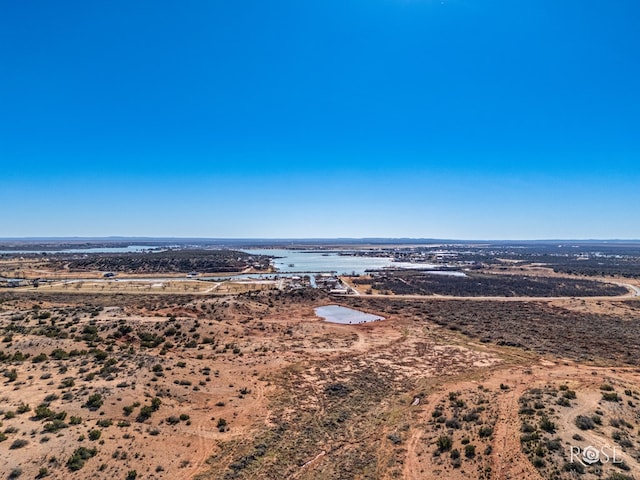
(344, 315)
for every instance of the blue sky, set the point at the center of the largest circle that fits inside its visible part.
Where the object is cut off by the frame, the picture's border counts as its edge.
(352, 118)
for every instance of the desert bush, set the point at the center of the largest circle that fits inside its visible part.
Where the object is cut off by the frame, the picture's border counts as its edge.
(75, 420)
(19, 443)
(470, 451)
(452, 423)
(54, 426)
(547, 425)
(67, 383)
(104, 422)
(573, 467)
(444, 443)
(39, 358)
(172, 420)
(43, 411)
(145, 413)
(43, 472)
(529, 437)
(59, 354)
(610, 397)
(221, 425)
(527, 428)
(15, 473)
(94, 402)
(79, 457)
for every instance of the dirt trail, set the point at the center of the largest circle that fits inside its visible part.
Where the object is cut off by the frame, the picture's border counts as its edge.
(508, 461)
(411, 469)
(201, 453)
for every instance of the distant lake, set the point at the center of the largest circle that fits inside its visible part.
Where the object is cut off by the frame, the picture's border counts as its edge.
(128, 249)
(304, 261)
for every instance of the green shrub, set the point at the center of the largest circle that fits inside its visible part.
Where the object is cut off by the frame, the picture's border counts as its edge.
(15, 473)
(470, 451)
(19, 443)
(54, 426)
(94, 402)
(67, 383)
(145, 413)
(79, 457)
(547, 425)
(485, 431)
(444, 443)
(59, 354)
(222, 424)
(43, 472)
(39, 358)
(610, 396)
(172, 420)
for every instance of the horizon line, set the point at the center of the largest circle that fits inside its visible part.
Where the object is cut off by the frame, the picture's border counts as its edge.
(282, 239)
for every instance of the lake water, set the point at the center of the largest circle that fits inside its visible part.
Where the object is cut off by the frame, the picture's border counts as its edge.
(344, 315)
(127, 249)
(304, 261)
(447, 273)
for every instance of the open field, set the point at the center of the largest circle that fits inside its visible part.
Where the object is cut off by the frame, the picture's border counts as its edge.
(147, 286)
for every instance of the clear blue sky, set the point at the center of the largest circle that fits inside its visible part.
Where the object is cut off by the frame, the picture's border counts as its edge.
(417, 118)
